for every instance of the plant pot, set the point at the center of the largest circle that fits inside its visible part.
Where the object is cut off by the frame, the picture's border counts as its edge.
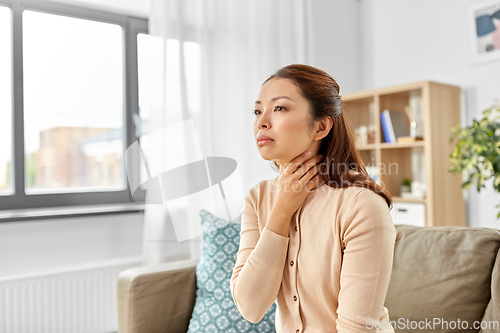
(405, 189)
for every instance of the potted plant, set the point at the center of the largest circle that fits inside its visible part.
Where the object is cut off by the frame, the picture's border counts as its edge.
(405, 186)
(477, 151)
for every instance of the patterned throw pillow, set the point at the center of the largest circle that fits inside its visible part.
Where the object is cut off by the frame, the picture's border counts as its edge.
(214, 310)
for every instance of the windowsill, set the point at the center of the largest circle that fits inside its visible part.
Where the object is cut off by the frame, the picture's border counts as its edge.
(71, 211)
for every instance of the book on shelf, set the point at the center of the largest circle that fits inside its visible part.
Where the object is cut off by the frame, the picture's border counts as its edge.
(387, 130)
(394, 125)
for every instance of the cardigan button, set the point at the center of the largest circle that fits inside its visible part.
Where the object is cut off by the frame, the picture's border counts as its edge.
(297, 331)
(295, 228)
(291, 263)
(294, 298)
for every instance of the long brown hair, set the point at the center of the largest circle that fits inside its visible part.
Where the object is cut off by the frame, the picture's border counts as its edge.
(323, 94)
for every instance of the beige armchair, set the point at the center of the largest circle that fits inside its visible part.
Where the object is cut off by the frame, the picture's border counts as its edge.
(157, 298)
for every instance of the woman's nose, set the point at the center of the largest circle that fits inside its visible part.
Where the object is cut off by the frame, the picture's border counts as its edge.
(263, 122)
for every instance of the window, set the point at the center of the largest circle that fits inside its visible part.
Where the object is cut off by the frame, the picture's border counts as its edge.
(5, 103)
(69, 121)
(150, 51)
(73, 103)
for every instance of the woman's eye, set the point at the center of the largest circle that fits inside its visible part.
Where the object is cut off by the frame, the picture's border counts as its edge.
(277, 108)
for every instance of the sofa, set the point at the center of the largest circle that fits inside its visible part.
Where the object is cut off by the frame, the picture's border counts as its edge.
(443, 278)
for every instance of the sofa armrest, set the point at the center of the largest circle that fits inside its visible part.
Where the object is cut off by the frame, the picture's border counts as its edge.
(157, 298)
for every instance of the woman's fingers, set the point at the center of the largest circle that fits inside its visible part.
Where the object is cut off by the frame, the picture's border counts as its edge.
(297, 162)
(301, 170)
(297, 180)
(314, 182)
(307, 171)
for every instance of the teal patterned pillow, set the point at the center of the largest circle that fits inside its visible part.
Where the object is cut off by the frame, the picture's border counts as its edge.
(214, 310)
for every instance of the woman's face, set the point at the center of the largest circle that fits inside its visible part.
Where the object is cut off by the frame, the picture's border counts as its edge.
(282, 114)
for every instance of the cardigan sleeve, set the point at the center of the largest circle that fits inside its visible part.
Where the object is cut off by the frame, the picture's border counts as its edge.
(368, 236)
(260, 260)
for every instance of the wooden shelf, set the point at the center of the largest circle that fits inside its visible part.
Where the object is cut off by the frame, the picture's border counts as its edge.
(367, 146)
(410, 200)
(386, 145)
(426, 160)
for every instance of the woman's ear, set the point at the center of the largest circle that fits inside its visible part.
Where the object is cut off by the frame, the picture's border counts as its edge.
(323, 128)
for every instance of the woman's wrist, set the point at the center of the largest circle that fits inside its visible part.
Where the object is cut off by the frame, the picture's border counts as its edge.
(279, 222)
(281, 214)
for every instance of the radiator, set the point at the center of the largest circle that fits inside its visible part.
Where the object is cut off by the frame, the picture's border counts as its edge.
(79, 298)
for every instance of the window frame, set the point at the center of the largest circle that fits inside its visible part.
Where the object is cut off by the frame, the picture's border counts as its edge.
(131, 27)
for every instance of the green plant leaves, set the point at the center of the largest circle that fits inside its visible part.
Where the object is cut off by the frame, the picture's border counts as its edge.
(477, 150)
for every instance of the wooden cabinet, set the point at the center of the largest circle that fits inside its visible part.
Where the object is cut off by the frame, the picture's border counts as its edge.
(436, 107)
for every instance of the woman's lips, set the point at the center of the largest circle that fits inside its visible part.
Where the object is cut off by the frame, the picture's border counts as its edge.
(264, 142)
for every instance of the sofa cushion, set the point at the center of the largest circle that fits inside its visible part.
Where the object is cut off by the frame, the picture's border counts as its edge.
(491, 318)
(214, 309)
(441, 274)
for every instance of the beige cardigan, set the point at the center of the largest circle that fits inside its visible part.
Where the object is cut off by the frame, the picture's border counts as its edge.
(330, 275)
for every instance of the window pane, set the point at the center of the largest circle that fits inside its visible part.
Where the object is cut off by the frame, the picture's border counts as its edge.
(151, 53)
(5, 102)
(145, 71)
(73, 104)
(145, 52)
(193, 75)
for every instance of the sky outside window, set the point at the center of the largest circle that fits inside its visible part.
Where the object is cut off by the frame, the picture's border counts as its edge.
(73, 104)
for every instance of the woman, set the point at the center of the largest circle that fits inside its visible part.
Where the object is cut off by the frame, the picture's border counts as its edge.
(318, 239)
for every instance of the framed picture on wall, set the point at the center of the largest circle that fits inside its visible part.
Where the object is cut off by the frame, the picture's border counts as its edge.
(484, 30)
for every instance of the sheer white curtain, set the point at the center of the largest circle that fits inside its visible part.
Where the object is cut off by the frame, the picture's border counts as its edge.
(210, 58)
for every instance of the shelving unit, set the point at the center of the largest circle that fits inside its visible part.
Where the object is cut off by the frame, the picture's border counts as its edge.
(437, 105)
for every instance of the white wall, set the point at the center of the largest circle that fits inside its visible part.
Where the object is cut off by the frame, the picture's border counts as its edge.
(408, 40)
(40, 243)
(337, 42)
